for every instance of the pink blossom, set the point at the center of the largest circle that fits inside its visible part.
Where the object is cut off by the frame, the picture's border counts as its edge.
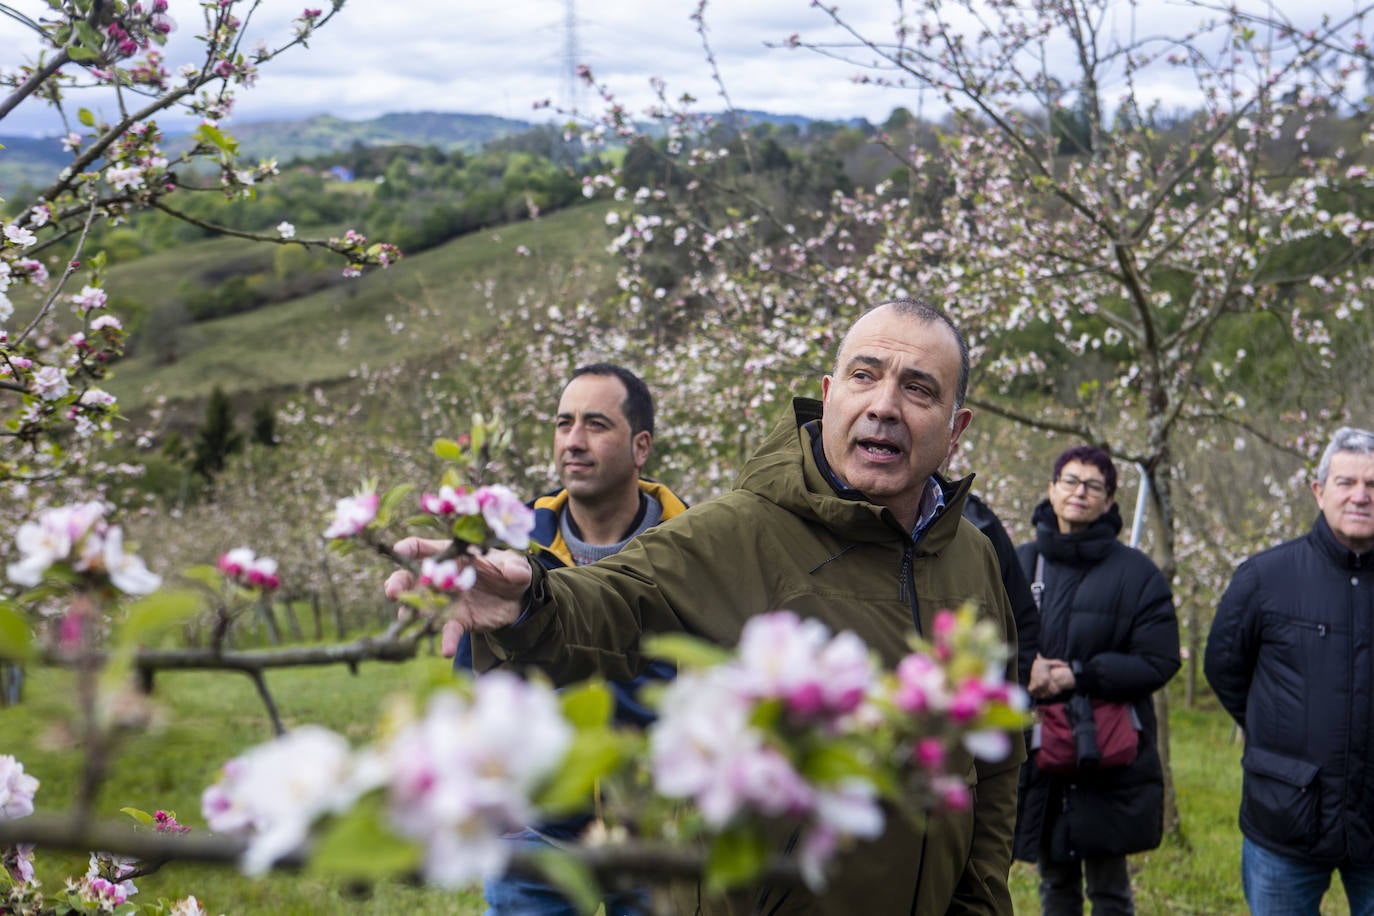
(50, 383)
(188, 906)
(166, 822)
(450, 501)
(951, 792)
(36, 271)
(797, 661)
(465, 772)
(106, 893)
(272, 793)
(106, 321)
(242, 566)
(447, 575)
(20, 236)
(930, 754)
(18, 861)
(920, 685)
(352, 514)
(127, 572)
(509, 519)
(89, 299)
(768, 780)
(96, 397)
(124, 178)
(233, 563)
(17, 789)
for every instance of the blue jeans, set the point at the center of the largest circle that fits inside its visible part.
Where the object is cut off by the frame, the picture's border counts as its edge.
(1277, 885)
(515, 895)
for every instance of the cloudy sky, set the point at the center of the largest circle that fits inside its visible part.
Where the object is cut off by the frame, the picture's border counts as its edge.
(500, 56)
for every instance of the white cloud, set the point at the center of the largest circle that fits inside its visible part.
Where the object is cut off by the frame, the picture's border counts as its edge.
(500, 56)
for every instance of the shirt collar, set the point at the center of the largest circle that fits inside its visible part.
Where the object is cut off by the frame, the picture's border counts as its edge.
(932, 499)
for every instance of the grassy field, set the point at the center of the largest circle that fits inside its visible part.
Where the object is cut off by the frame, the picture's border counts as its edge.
(382, 318)
(210, 717)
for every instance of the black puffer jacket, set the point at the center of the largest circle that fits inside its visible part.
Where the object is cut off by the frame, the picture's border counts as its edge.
(1107, 607)
(1291, 657)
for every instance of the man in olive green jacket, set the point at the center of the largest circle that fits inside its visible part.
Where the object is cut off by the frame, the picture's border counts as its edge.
(840, 516)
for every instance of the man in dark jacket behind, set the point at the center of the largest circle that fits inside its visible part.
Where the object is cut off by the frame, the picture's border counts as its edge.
(1291, 658)
(841, 517)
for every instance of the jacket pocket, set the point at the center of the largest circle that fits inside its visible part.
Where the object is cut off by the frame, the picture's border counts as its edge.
(1282, 796)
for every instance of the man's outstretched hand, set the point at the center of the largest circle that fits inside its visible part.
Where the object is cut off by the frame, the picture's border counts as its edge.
(496, 600)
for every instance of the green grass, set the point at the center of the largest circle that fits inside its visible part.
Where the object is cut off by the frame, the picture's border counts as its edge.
(298, 342)
(210, 717)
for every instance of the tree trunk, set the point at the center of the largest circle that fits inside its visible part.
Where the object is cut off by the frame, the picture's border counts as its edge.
(315, 613)
(269, 620)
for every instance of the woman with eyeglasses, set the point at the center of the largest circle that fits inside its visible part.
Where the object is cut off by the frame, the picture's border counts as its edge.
(1108, 632)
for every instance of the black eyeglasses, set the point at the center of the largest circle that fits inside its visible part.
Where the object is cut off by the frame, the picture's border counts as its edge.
(1071, 484)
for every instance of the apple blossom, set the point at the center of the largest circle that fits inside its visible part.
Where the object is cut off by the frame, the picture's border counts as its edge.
(50, 383)
(450, 501)
(506, 515)
(464, 773)
(243, 567)
(447, 575)
(17, 789)
(17, 860)
(20, 236)
(114, 872)
(127, 572)
(89, 299)
(187, 906)
(353, 513)
(273, 792)
(286, 230)
(166, 822)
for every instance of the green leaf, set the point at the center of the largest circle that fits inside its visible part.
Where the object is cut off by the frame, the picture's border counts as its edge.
(212, 136)
(80, 54)
(685, 651)
(390, 500)
(158, 611)
(573, 879)
(1005, 718)
(86, 117)
(448, 449)
(205, 574)
(736, 857)
(90, 38)
(470, 528)
(15, 639)
(358, 845)
(836, 762)
(143, 817)
(587, 705)
(593, 755)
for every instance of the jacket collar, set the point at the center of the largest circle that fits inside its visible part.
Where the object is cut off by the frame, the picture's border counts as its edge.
(1341, 555)
(1083, 547)
(785, 470)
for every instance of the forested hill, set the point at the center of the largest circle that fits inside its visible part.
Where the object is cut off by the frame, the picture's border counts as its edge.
(33, 161)
(324, 134)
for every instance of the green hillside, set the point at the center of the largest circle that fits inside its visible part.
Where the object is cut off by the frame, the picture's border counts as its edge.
(407, 312)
